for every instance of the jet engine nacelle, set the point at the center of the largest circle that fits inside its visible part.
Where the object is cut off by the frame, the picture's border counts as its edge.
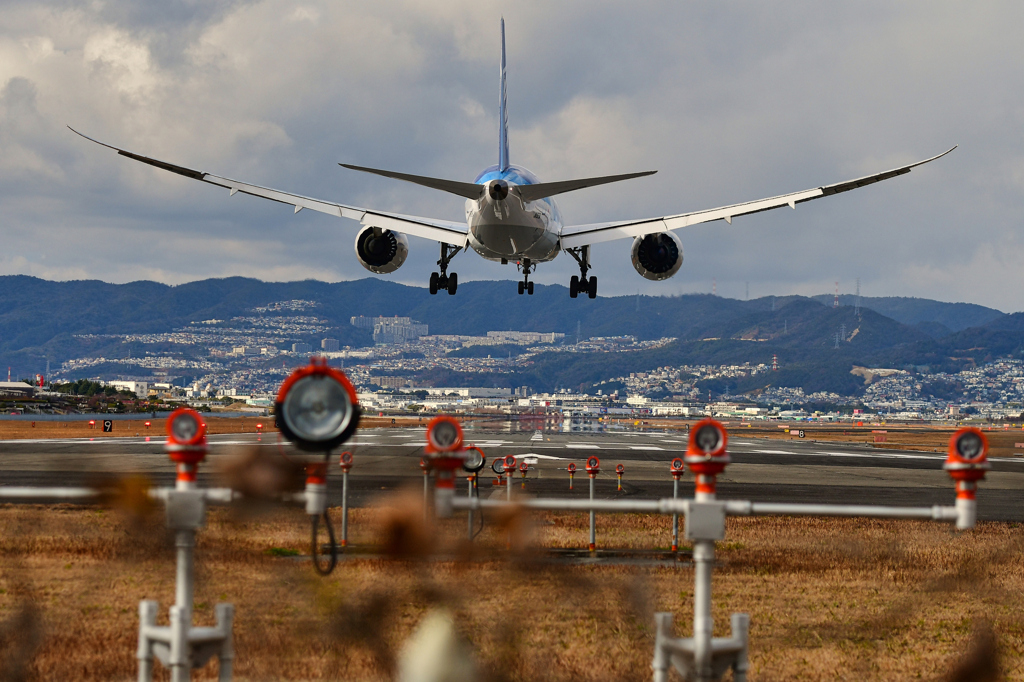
(657, 256)
(383, 252)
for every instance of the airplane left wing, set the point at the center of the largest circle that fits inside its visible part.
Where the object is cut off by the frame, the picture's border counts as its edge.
(428, 228)
(583, 235)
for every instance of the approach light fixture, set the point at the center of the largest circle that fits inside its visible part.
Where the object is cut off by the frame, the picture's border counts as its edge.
(970, 445)
(316, 407)
(707, 438)
(184, 427)
(444, 434)
(475, 459)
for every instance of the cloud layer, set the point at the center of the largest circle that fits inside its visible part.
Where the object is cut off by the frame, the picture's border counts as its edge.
(729, 101)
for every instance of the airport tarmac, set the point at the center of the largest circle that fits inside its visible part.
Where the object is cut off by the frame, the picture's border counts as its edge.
(388, 458)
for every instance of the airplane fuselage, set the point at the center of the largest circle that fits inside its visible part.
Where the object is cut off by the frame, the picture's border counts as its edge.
(503, 227)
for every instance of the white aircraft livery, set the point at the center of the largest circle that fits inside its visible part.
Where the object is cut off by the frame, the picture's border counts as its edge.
(511, 217)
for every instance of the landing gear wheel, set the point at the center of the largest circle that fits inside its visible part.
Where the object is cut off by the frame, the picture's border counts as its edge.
(433, 283)
(574, 286)
(453, 283)
(592, 287)
(529, 288)
(522, 287)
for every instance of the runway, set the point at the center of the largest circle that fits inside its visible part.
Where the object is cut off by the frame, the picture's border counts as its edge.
(388, 458)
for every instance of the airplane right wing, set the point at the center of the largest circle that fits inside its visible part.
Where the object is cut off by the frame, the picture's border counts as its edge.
(452, 233)
(583, 235)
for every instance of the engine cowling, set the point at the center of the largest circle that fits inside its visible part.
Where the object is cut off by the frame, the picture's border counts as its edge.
(657, 256)
(381, 253)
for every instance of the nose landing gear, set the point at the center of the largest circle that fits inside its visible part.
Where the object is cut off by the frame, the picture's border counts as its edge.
(526, 286)
(582, 284)
(442, 281)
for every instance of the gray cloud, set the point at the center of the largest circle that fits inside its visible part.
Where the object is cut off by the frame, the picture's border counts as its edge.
(729, 101)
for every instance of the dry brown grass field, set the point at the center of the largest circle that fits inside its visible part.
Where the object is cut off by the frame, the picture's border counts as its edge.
(829, 599)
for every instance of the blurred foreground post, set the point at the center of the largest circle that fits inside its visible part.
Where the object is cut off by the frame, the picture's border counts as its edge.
(180, 646)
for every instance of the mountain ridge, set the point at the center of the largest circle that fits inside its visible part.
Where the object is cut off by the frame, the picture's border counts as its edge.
(42, 319)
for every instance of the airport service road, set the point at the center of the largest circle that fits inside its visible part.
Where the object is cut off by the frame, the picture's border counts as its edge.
(388, 459)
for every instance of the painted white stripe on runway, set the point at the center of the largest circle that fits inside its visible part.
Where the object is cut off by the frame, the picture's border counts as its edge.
(534, 454)
(645, 447)
(582, 446)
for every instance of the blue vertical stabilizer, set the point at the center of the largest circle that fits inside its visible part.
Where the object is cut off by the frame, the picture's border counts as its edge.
(502, 111)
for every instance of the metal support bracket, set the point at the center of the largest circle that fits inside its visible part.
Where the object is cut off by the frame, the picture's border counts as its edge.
(680, 652)
(704, 521)
(448, 251)
(185, 509)
(581, 254)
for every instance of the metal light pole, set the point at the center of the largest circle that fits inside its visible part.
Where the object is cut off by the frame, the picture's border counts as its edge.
(426, 488)
(471, 479)
(180, 646)
(593, 469)
(677, 473)
(510, 469)
(346, 465)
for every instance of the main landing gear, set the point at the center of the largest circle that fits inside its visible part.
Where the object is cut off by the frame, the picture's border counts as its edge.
(440, 281)
(582, 284)
(526, 286)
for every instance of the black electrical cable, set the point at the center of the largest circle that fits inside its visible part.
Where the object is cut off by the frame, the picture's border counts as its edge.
(333, 561)
(476, 494)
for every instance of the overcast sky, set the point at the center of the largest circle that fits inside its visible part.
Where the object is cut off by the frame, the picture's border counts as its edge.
(728, 101)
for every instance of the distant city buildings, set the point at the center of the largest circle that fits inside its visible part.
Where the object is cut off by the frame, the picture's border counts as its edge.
(227, 360)
(390, 382)
(139, 388)
(524, 338)
(392, 330)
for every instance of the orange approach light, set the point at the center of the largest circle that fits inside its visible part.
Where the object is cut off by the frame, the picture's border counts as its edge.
(475, 459)
(185, 428)
(186, 443)
(706, 455)
(510, 463)
(316, 407)
(708, 439)
(444, 434)
(967, 463)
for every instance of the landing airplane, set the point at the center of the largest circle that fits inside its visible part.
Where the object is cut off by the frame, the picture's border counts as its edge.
(511, 218)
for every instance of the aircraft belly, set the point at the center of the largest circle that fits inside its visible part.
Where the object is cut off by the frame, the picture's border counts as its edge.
(513, 238)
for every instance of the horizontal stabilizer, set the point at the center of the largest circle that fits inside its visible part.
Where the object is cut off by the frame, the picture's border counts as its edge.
(463, 189)
(550, 189)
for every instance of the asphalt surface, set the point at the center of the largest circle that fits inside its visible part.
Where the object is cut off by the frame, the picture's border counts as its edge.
(388, 459)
